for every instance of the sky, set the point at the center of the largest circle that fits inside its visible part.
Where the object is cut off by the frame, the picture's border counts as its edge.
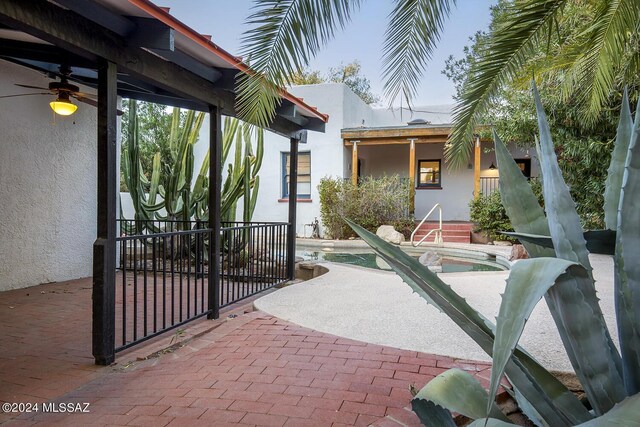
(362, 40)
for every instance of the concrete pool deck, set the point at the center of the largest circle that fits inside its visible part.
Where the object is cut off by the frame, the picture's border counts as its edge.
(377, 307)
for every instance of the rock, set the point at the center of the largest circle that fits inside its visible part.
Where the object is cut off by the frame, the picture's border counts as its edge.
(389, 234)
(502, 243)
(480, 237)
(518, 252)
(430, 259)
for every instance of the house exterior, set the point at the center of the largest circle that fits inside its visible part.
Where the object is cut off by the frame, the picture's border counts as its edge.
(363, 141)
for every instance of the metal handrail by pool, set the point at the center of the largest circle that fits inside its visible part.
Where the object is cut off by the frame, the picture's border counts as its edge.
(438, 231)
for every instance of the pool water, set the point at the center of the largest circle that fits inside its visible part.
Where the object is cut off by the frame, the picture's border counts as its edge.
(371, 260)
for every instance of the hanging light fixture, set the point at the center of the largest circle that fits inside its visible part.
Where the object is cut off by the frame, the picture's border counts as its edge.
(493, 167)
(62, 105)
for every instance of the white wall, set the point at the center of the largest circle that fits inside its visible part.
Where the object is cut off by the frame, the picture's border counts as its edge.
(328, 155)
(47, 186)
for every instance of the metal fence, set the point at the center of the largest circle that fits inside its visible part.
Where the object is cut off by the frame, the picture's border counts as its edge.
(489, 184)
(254, 258)
(163, 275)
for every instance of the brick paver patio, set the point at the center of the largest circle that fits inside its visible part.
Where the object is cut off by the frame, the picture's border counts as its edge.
(251, 370)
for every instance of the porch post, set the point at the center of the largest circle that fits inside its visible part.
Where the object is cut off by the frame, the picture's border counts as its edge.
(412, 176)
(354, 163)
(104, 248)
(293, 199)
(215, 188)
(476, 168)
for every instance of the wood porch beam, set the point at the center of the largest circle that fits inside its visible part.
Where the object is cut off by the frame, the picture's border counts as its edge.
(401, 133)
(215, 190)
(104, 248)
(412, 177)
(354, 163)
(476, 167)
(398, 141)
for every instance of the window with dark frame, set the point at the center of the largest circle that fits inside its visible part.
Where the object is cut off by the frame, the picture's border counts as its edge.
(525, 166)
(429, 175)
(304, 175)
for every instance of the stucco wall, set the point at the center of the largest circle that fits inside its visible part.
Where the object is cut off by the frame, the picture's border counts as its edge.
(47, 186)
(327, 153)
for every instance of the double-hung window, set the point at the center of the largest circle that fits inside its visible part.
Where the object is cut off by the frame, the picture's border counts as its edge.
(304, 175)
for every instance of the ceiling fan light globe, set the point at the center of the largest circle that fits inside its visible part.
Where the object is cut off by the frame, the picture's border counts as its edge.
(63, 107)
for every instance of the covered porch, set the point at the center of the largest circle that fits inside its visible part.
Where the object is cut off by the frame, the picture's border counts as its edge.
(60, 180)
(416, 152)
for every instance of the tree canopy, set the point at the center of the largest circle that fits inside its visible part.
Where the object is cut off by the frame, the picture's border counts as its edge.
(593, 57)
(350, 74)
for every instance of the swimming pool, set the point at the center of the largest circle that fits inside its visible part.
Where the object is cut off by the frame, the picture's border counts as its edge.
(369, 259)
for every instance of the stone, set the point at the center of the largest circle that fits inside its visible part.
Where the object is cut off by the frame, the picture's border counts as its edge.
(389, 234)
(430, 259)
(502, 243)
(518, 252)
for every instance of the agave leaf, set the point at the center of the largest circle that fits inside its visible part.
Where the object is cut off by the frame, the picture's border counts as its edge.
(563, 219)
(550, 398)
(527, 217)
(625, 413)
(627, 267)
(431, 414)
(598, 241)
(528, 410)
(489, 422)
(613, 184)
(459, 391)
(595, 358)
(527, 283)
(518, 199)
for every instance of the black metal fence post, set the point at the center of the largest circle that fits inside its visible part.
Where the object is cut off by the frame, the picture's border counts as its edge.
(104, 248)
(215, 188)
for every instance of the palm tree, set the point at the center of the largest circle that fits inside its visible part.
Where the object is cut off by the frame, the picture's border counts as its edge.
(286, 34)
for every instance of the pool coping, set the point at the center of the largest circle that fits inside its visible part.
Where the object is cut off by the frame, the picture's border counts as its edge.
(498, 254)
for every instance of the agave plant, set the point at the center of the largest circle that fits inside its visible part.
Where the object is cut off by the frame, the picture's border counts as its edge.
(559, 270)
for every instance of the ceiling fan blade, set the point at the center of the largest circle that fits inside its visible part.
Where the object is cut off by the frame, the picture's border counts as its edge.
(84, 95)
(32, 87)
(25, 94)
(92, 102)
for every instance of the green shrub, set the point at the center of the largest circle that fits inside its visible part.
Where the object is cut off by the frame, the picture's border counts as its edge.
(374, 202)
(487, 214)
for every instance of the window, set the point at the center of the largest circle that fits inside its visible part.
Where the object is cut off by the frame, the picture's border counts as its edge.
(304, 175)
(429, 174)
(525, 166)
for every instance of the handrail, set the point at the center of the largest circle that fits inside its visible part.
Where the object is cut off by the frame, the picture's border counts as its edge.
(438, 231)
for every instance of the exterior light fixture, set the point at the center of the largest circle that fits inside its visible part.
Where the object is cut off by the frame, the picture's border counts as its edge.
(62, 105)
(492, 167)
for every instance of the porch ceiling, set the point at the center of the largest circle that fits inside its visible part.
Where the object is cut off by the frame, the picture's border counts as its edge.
(159, 59)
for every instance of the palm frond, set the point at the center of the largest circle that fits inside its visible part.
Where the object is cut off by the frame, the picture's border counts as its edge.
(509, 45)
(286, 34)
(604, 50)
(413, 30)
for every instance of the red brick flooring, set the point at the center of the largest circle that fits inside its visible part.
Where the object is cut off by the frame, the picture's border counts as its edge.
(250, 370)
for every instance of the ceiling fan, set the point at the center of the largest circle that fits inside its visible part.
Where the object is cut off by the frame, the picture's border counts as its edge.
(64, 91)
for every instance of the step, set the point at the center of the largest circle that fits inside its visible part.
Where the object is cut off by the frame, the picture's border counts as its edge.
(431, 226)
(455, 239)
